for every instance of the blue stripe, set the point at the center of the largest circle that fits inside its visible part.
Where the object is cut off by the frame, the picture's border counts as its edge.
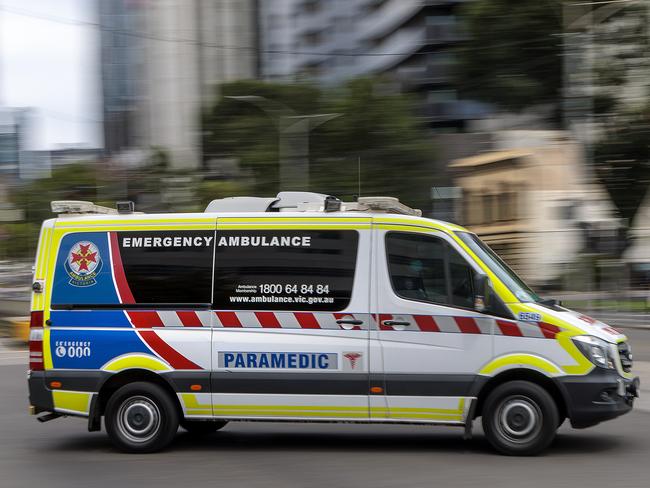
(91, 349)
(89, 318)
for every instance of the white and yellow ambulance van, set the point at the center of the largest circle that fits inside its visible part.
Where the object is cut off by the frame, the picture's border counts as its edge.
(304, 308)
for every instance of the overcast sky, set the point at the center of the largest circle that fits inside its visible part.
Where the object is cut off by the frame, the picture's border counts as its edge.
(51, 65)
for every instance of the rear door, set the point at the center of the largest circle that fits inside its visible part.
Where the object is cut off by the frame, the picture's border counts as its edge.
(291, 318)
(132, 295)
(431, 340)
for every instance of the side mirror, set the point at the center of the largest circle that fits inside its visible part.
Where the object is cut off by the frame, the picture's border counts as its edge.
(482, 289)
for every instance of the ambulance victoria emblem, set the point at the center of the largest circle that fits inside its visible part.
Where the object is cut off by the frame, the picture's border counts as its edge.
(83, 264)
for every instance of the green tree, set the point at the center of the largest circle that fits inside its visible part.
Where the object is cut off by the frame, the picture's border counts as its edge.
(622, 161)
(513, 55)
(376, 126)
(73, 182)
(234, 128)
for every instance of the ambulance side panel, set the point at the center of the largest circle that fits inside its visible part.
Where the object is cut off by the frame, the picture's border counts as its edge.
(291, 305)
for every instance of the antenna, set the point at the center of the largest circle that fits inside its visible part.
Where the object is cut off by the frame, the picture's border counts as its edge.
(359, 176)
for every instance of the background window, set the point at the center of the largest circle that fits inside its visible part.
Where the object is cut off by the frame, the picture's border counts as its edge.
(285, 269)
(426, 268)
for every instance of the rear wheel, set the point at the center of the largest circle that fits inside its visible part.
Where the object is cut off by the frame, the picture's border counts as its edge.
(520, 418)
(140, 418)
(203, 427)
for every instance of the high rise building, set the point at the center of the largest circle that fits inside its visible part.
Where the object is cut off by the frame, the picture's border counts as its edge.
(334, 40)
(161, 61)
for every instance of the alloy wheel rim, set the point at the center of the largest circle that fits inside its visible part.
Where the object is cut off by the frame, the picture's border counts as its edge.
(519, 419)
(138, 419)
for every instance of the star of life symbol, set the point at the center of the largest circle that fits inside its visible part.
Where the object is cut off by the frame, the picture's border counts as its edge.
(353, 357)
(83, 264)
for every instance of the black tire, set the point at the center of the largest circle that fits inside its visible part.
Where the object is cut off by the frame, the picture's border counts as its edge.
(203, 427)
(141, 417)
(520, 418)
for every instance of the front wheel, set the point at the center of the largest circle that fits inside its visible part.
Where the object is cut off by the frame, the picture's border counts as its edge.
(520, 418)
(140, 418)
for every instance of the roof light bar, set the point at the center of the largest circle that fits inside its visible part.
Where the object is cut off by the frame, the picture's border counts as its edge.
(63, 207)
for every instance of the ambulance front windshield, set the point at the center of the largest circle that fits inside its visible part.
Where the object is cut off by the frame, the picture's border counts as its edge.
(509, 278)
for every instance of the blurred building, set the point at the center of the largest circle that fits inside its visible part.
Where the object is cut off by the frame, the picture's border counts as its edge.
(74, 153)
(637, 255)
(16, 158)
(330, 41)
(529, 198)
(161, 61)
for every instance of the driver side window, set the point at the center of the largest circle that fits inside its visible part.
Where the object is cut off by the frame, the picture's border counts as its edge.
(427, 268)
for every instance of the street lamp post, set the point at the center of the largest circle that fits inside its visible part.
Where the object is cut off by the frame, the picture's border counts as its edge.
(293, 130)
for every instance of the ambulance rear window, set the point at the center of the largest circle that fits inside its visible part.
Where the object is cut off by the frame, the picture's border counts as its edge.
(113, 269)
(284, 269)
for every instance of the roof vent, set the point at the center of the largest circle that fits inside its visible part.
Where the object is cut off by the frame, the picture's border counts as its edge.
(241, 204)
(304, 201)
(285, 201)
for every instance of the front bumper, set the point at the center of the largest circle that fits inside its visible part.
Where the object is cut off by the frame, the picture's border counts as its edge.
(598, 396)
(40, 397)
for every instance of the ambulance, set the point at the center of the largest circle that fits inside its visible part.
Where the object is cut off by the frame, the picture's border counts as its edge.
(303, 307)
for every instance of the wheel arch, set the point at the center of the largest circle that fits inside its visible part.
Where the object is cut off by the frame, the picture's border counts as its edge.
(118, 380)
(484, 388)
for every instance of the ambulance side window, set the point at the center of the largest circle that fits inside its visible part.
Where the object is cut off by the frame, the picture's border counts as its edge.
(284, 269)
(427, 268)
(168, 267)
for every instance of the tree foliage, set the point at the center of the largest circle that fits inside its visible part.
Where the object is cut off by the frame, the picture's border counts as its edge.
(376, 127)
(513, 56)
(622, 161)
(74, 182)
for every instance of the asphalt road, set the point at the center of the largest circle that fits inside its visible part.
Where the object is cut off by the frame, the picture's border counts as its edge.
(62, 453)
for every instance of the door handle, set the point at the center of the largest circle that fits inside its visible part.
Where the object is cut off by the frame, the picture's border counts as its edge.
(349, 322)
(393, 323)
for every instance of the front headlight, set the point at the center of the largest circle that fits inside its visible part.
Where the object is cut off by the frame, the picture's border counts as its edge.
(596, 350)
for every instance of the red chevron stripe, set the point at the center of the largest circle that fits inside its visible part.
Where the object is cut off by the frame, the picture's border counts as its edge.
(268, 320)
(509, 328)
(229, 319)
(306, 320)
(189, 318)
(118, 270)
(467, 325)
(549, 330)
(175, 359)
(145, 320)
(426, 323)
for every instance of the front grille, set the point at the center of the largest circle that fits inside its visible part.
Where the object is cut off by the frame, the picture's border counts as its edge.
(625, 353)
